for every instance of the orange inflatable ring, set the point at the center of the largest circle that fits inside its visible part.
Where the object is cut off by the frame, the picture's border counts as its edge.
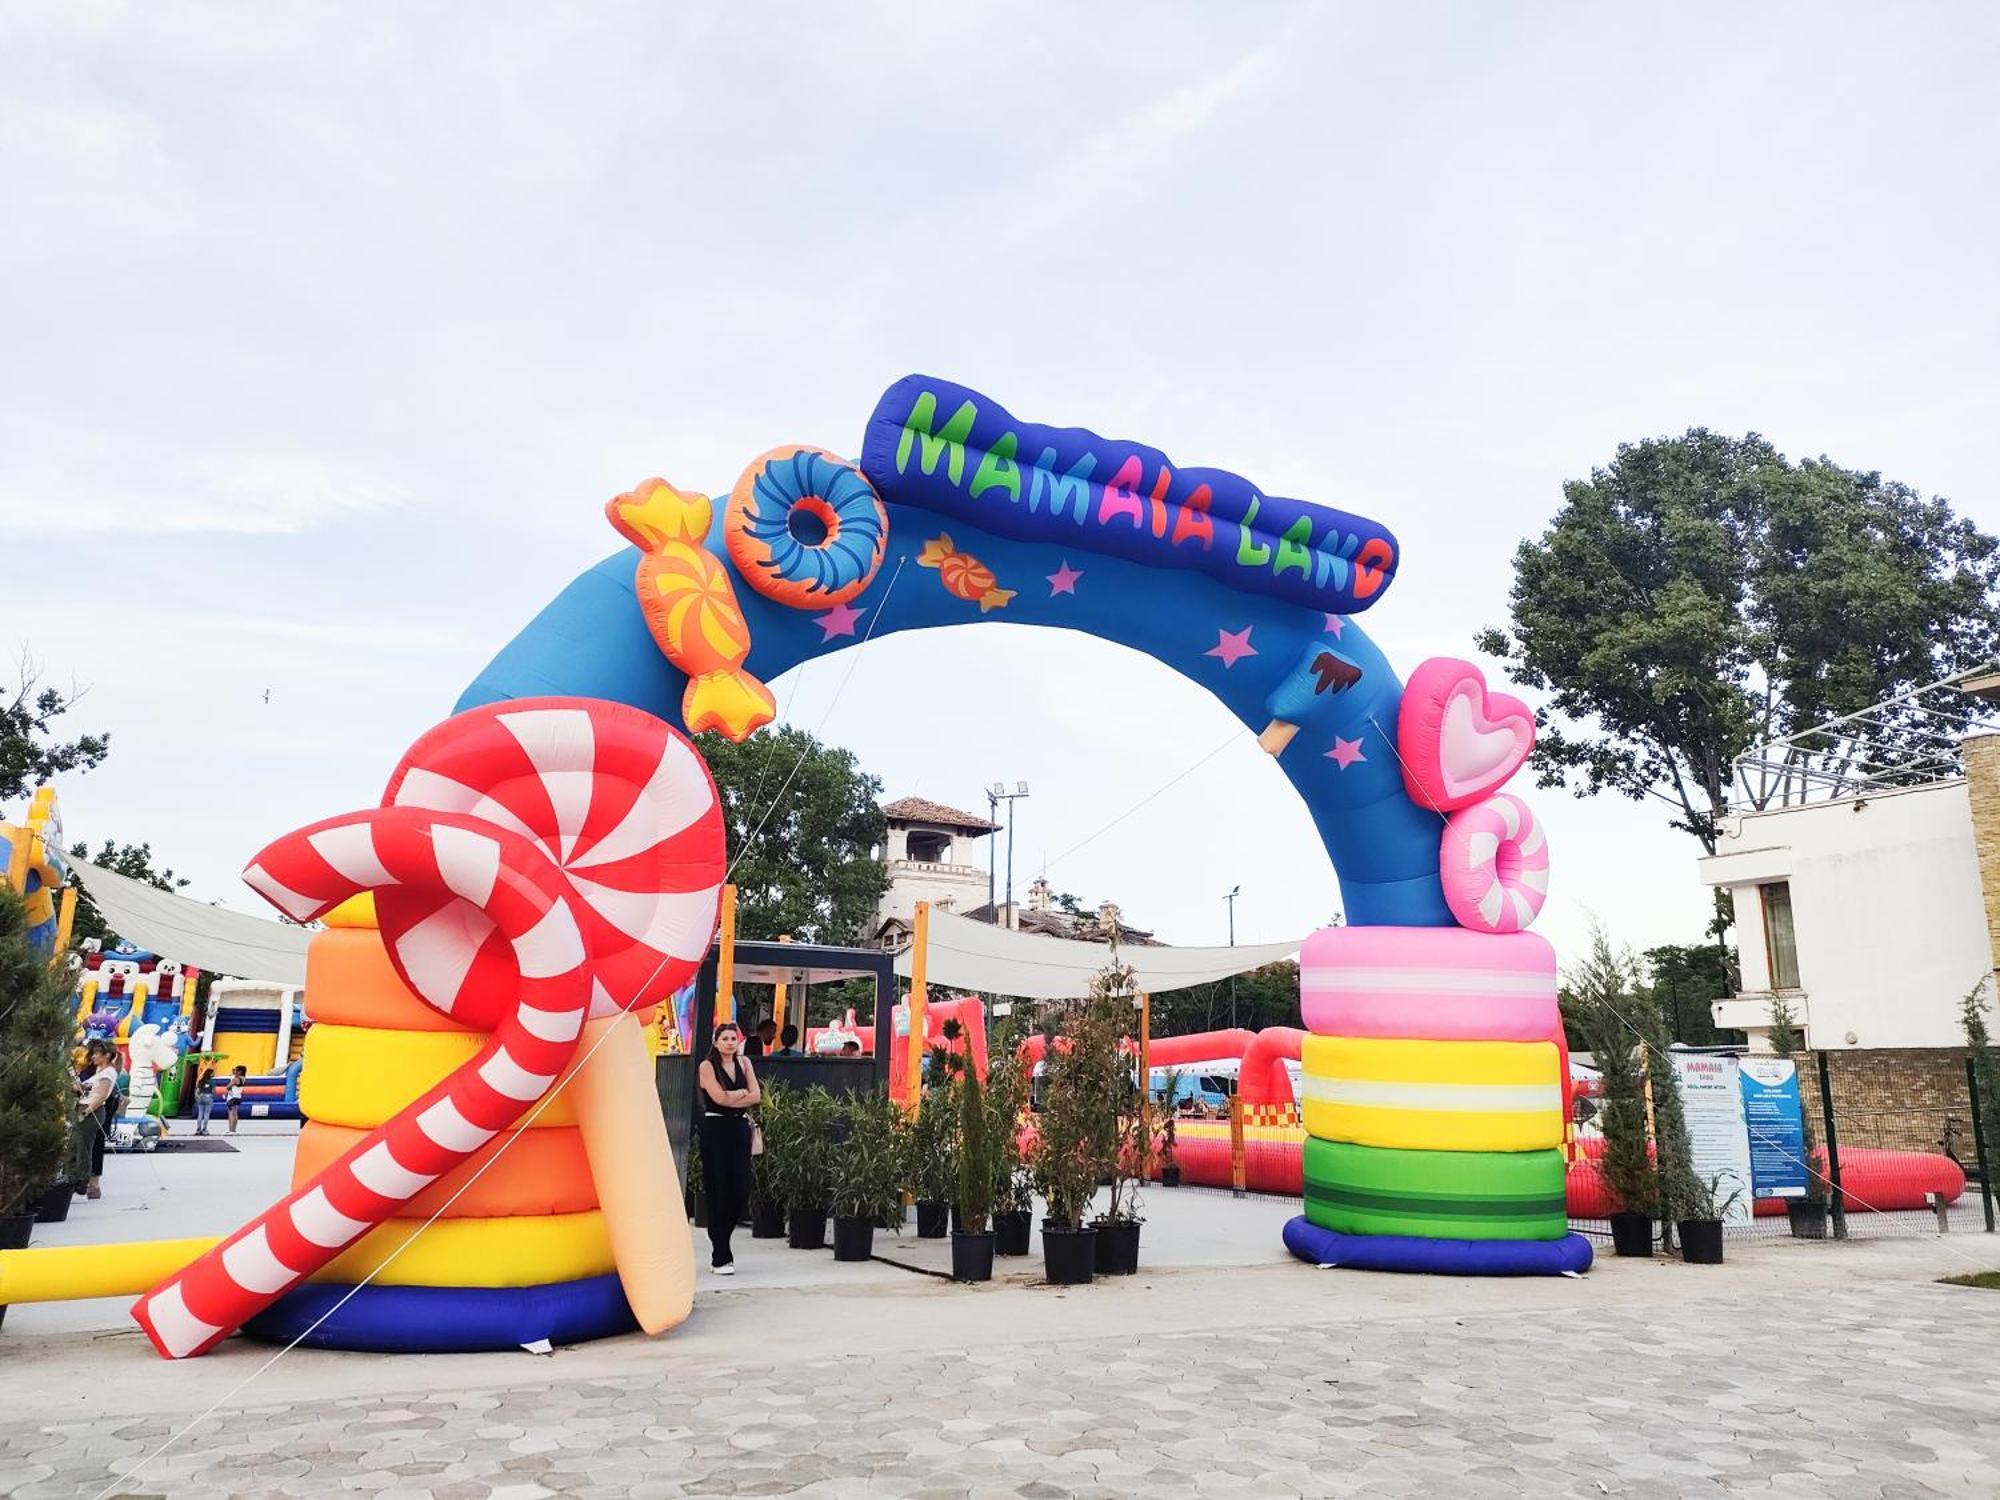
(350, 982)
(805, 528)
(542, 1172)
(359, 1076)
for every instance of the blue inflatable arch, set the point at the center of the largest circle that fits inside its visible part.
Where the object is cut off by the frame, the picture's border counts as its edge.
(1252, 596)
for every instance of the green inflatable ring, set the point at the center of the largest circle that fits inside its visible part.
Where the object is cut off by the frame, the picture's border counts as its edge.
(1453, 1195)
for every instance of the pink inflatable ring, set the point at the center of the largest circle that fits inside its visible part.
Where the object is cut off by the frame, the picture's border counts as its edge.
(1495, 865)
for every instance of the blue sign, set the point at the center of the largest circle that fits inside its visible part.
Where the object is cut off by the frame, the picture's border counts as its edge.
(943, 448)
(1776, 1117)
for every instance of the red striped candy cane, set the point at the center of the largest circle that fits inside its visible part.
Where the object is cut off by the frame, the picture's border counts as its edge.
(461, 869)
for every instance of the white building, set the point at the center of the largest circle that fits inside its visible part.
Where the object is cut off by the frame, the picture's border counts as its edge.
(1865, 912)
(1867, 888)
(932, 855)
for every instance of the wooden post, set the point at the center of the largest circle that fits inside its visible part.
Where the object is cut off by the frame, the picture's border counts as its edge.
(725, 962)
(919, 963)
(66, 920)
(778, 993)
(1145, 1084)
(1236, 1172)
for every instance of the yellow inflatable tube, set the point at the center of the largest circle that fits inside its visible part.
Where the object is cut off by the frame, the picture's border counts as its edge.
(1433, 1096)
(360, 1076)
(451, 1252)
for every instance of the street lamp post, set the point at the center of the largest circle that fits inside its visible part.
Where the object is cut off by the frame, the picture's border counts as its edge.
(1231, 899)
(995, 795)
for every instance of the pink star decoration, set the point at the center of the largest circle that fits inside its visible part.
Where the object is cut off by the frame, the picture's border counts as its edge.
(1232, 646)
(1337, 624)
(1345, 752)
(1063, 580)
(840, 620)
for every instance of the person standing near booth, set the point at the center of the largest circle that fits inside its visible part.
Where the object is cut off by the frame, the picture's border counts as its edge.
(729, 1092)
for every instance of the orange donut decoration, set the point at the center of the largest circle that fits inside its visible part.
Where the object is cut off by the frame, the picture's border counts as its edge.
(805, 528)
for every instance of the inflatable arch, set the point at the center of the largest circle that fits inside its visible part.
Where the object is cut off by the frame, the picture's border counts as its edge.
(1435, 1062)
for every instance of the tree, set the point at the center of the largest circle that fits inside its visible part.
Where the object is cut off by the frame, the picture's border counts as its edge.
(1700, 596)
(1598, 1003)
(134, 860)
(30, 754)
(804, 828)
(1686, 978)
(36, 1022)
(1266, 996)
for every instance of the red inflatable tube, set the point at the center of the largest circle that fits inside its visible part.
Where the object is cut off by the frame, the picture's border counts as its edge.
(1872, 1179)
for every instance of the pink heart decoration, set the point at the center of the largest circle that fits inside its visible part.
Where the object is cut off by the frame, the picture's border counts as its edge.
(1459, 742)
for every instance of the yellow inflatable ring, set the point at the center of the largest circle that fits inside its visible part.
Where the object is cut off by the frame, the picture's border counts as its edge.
(479, 1252)
(1433, 1096)
(350, 982)
(541, 1172)
(360, 1076)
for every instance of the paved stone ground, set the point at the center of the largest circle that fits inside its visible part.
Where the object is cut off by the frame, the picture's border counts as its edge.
(1879, 1390)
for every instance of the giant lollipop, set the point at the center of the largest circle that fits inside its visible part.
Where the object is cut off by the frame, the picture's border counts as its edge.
(538, 860)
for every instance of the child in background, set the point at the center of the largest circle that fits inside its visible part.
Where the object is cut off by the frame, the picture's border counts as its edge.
(237, 1075)
(204, 1097)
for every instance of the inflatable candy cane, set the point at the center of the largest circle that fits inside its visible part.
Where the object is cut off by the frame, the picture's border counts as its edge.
(539, 860)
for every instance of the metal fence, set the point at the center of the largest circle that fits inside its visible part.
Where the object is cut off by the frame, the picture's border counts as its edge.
(1898, 1146)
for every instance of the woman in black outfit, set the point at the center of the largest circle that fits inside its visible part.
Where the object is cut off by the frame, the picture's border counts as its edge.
(728, 1093)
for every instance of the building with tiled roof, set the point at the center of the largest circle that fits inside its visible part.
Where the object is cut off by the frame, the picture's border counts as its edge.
(932, 855)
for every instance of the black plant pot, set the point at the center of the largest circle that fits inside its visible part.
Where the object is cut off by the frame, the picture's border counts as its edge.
(767, 1219)
(972, 1256)
(697, 1207)
(1068, 1255)
(53, 1205)
(14, 1232)
(1170, 1176)
(931, 1220)
(1808, 1218)
(1632, 1235)
(1012, 1231)
(1701, 1241)
(853, 1238)
(805, 1229)
(1118, 1248)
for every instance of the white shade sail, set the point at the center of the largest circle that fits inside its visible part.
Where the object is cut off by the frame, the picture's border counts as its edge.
(191, 932)
(969, 955)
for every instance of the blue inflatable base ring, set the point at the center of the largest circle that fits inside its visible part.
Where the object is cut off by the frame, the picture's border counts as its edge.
(1396, 1252)
(447, 1319)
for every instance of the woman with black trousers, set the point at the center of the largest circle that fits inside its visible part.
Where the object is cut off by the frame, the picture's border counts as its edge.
(728, 1094)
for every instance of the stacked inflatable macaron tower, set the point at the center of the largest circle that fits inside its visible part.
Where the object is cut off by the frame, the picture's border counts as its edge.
(1435, 1076)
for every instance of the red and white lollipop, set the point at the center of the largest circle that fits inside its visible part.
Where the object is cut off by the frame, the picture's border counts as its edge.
(478, 871)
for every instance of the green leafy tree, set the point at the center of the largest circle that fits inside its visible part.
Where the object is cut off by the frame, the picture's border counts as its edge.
(133, 860)
(36, 1101)
(31, 749)
(1686, 979)
(1267, 996)
(1700, 595)
(804, 830)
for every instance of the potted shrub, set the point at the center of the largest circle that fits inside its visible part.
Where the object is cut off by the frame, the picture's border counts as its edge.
(979, 1168)
(1170, 1087)
(1595, 1002)
(37, 1099)
(694, 1197)
(866, 1180)
(796, 1146)
(1116, 990)
(1686, 1201)
(932, 1169)
(767, 1206)
(1807, 1215)
(1077, 1137)
(1007, 1080)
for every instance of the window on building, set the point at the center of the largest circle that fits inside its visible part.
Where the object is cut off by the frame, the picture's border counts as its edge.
(1781, 948)
(931, 848)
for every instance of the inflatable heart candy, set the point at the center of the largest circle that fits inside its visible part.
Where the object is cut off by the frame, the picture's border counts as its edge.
(1459, 743)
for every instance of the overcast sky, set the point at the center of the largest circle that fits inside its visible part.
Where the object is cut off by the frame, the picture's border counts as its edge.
(329, 329)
